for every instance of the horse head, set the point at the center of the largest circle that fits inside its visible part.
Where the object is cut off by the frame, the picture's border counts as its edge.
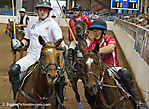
(9, 29)
(80, 28)
(49, 59)
(92, 68)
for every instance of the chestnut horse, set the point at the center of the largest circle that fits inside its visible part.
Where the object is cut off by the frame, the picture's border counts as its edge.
(101, 90)
(19, 35)
(38, 87)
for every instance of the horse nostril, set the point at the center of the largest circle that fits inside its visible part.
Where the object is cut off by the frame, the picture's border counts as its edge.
(93, 88)
(49, 76)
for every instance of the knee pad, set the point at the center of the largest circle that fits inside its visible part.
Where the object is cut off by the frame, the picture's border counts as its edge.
(14, 73)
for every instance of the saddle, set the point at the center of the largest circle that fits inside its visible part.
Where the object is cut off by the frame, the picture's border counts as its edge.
(27, 73)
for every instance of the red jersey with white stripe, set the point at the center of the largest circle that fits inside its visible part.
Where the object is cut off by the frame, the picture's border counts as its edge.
(88, 23)
(110, 58)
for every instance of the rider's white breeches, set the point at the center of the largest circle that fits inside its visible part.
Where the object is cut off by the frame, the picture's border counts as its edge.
(27, 61)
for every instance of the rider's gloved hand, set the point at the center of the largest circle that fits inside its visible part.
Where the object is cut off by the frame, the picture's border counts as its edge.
(17, 43)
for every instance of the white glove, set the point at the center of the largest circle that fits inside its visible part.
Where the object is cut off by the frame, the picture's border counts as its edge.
(64, 45)
(16, 42)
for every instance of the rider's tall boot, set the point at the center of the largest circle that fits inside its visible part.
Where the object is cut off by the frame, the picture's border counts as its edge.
(14, 78)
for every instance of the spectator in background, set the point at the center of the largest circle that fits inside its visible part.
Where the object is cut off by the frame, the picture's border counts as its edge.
(23, 20)
(91, 16)
(64, 9)
(138, 23)
(147, 23)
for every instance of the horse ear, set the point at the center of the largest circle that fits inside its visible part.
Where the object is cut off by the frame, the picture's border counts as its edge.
(58, 42)
(96, 49)
(41, 40)
(9, 20)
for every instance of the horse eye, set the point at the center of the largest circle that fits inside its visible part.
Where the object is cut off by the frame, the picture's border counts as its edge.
(44, 54)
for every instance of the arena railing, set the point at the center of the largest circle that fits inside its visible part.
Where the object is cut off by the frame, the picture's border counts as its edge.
(134, 41)
(129, 28)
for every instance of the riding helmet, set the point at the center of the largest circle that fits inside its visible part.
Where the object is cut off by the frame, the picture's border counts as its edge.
(43, 4)
(22, 10)
(98, 23)
(77, 7)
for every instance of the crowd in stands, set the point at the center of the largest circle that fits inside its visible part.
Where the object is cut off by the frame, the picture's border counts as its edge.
(138, 19)
(93, 16)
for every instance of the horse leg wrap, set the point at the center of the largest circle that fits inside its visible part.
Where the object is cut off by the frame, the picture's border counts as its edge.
(14, 77)
(59, 86)
(128, 83)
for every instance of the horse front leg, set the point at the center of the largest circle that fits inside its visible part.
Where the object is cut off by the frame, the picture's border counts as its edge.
(21, 53)
(75, 89)
(14, 55)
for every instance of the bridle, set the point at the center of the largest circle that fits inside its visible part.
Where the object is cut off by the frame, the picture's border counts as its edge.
(81, 30)
(10, 30)
(100, 84)
(44, 67)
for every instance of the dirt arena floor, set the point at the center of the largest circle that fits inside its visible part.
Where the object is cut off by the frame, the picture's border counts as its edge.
(6, 61)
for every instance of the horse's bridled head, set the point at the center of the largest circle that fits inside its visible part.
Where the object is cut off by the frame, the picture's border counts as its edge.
(79, 28)
(49, 58)
(93, 70)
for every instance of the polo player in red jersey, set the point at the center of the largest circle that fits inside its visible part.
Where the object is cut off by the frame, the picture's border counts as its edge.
(77, 16)
(108, 53)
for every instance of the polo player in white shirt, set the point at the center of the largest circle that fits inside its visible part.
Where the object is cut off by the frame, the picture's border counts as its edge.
(50, 32)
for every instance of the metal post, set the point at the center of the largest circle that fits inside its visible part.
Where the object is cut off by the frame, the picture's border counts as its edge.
(18, 6)
(145, 7)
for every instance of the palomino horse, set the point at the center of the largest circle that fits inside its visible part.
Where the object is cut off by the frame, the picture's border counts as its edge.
(101, 89)
(19, 35)
(39, 85)
(75, 76)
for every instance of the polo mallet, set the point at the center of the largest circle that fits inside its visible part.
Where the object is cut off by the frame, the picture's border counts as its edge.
(67, 22)
(14, 23)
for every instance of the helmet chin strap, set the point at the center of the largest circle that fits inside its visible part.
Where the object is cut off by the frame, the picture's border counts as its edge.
(101, 36)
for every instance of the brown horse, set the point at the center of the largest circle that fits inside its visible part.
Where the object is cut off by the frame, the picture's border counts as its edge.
(19, 35)
(101, 89)
(38, 86)
(75, 76)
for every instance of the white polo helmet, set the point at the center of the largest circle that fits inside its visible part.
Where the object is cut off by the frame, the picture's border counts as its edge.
(22, 10)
